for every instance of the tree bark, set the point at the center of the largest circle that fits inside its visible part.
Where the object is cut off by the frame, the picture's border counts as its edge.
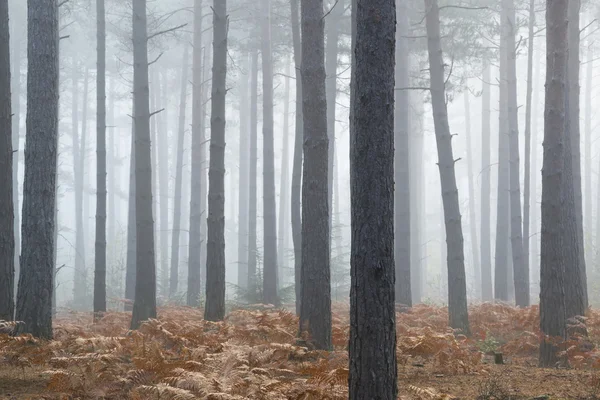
(34, 300)
(100, 247)
(144, 306)
(297, 165)
(315, 310)
(215, 250)
(175, 247)
(195, 237)
(269, 207)
(372, 352)
(457, 287)
(402, 161)
(7, 233)
(487, 289)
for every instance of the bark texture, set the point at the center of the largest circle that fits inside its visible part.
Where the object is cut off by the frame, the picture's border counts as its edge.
(34, 300)
(215, 249)
(552, 300)
(372, 352)
(315, 311)
(457, 286)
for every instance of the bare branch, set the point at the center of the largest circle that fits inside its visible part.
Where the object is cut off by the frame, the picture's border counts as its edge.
(165, 31)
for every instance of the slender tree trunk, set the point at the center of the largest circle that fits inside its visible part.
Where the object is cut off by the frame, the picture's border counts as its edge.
(457, 286)
(573, 110)
(372, 352)
(243, 178)
(112, 160)
(269, 207)
(83, 185)
(130, 271)
(416, 197)
(472, 202)
(552, 295)
(284, 182)
(297, 165)
(215, 250)
(535, 247)
(175, 247)
(402, 161)
(100, 249)
(195, 241)
(16, 133)
(34, 300)
(162, 142)
(588, 214)
(252, 247)
(315, 310)
(487, 289)
(144, 306)
(520, 265)
(7, 233)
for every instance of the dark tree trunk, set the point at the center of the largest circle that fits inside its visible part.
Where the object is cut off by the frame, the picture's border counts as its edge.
(215, 249)
(252, 247)
(487, 289)
(315, 309)
(269, 207)
(372, 352)
(402, 161)
(175, 247)
(144, 306)
(7, 238)
(552, 295)
(100, 248)
(457, 286)
(195, 237)
(297, 166)
(34, 301)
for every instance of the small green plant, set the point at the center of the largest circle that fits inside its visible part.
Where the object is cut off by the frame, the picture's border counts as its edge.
(489, 344)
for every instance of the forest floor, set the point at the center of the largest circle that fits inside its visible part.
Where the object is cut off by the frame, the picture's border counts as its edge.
(255, 354)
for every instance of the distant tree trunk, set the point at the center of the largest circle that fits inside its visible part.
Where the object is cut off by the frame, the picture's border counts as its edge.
(416, 197)
(535, 248)
(243, 178)
(16, 120)
(269, 207)
(372, 352)
(520, 266)
(252, 247)
(501, 276)
(195, 241)
(175, 246)
(297, 165)
(162, 143)
(130, 271)
(588, 214)
(573, 110)
(34, 301)
(487, 289)
(112, 160)
(284, 182)
(527, 178)
(215, 250)
(100, 249)
(402, 161)
(552, 295)
(84, 187)
(315, 309)
(472, 202)
(144, 306)
(332, 23)
(7, 233)
(457, 287)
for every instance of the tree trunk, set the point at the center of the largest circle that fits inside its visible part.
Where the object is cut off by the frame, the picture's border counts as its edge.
(252, 247)
(315, 310)
(487, 289)
(416, 196)
(520, 266)
(552, 295)
(588, 214)
(501, 275)
(402, 161)
(472, 202)
(100, 248)
(372, 352)
(175, 247)
(269, 207)
(243, 177)
(573, 110)
(7, 234)
(112, 160)
(34, 301)
(16, 133)
(144, 306)
(162, 143)
(297, 165)
(535, 248)
(215, 250)
(130, 271)
(284, 182)
(457, 287)
(195, 241)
